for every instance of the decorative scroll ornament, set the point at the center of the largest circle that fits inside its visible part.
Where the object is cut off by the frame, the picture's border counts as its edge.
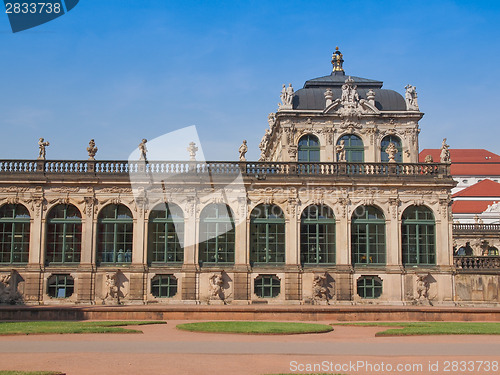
(271, 119)
(264, 143)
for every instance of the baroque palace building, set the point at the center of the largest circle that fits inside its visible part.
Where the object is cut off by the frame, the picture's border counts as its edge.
(338, 210)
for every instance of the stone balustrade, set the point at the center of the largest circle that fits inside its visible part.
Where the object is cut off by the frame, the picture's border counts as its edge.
(476, 228)
(120, 167)
(476, 263)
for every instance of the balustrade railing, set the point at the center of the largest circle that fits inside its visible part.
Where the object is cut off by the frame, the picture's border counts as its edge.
(114, 167)
(476, 228)
(56, 166)
(475, 263)
(18, 166)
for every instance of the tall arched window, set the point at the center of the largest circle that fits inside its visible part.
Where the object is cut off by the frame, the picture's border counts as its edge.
(385, 143)
(354, 148)
(267, 235)
(166, 234)
(317, 235)
(14, 234)
(308, 148)
(114, 234)
(64, 235)
(216, 234)
(418, 236)
(367, 236)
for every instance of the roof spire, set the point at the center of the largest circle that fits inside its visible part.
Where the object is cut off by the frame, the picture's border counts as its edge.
(337, 61)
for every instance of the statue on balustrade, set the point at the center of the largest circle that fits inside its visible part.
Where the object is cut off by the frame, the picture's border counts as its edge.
(41, 148)
(340, 150)
(143, 150)
(243, 150)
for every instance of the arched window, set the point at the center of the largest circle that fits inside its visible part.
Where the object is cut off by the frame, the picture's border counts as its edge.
(14, 234)
(419, 236)
(64, 235)
(267, 235)
(166, 234)
(317, 235)
(216, 234)
(353, 147)
(367, 236)
(385, 143)
(114, 234)
(308, 148)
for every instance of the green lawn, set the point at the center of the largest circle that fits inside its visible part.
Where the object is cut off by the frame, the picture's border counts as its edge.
(261, 328)
(433, 328)
(34, 328)
(29, 373)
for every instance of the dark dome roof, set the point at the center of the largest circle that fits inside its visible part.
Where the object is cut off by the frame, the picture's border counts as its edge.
(312, 96)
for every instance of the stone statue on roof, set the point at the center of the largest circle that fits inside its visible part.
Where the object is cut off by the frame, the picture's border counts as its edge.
(286, 97)
(41, 148)
(143, 149)
(192, 149)
(445, 152)
(411, 98)
(243, 150)
(92, 150)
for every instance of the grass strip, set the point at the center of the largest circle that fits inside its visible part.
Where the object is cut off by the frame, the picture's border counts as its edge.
(432, 328)
(63, 327)
(29, 373)
(256, 328)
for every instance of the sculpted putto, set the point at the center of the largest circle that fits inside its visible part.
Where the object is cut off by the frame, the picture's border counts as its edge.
(243, 150)
(216, 283)
(320, 290)
(143, 150)
(41, 148)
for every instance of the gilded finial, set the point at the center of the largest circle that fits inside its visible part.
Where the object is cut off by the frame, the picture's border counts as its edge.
(337, 61)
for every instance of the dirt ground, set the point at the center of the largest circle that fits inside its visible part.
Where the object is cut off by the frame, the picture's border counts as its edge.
(162, 349)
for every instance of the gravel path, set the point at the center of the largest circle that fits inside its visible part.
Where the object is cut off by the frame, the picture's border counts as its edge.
(162, 349)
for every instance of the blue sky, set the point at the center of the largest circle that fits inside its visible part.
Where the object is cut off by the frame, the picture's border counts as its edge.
(122, 70)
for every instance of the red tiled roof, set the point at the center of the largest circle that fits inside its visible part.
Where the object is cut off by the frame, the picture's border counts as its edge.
(470, 207)
(468, 162)
(485, 188)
